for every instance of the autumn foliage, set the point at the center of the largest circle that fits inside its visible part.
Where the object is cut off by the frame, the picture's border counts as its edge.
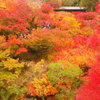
(45, 53)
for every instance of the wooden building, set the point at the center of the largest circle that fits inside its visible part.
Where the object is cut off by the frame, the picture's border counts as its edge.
(71, 9)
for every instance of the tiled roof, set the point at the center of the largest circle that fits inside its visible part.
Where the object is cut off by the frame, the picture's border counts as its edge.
(72, 8)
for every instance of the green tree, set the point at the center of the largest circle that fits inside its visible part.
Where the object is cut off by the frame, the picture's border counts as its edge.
(89, 4)
(65, 78)
(71, 2)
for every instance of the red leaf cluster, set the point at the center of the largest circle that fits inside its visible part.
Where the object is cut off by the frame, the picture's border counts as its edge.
(97, 8)
(91, 90)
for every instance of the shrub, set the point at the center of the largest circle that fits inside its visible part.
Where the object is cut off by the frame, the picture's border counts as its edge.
(65, 78)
